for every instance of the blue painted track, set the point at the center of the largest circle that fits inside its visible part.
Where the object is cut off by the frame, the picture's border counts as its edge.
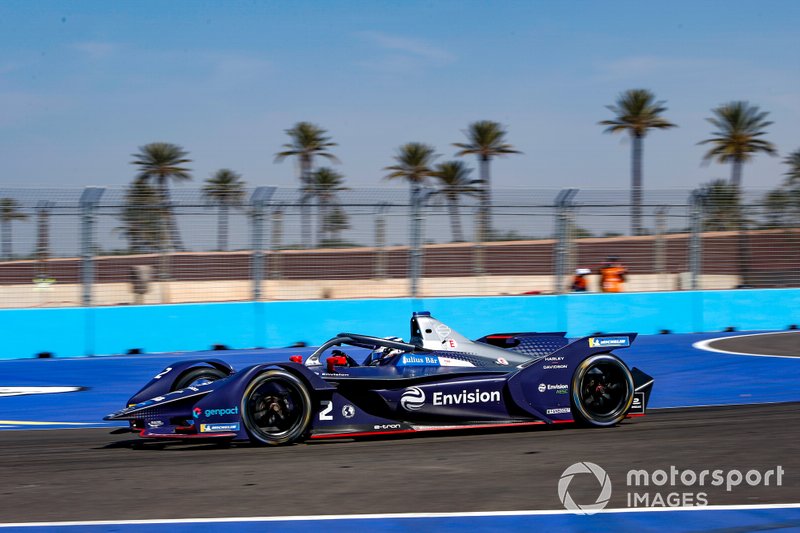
(720, 519)
(685, 377)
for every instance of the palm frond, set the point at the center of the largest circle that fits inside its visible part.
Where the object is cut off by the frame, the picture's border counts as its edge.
(485, 138)
(413, 162)
(636, 111)
(738, 125)
(162, 161)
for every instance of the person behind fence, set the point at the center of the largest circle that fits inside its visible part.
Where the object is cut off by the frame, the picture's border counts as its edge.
(579, 282)
(612, 275)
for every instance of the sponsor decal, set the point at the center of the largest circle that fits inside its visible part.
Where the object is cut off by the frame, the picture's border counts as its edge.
(196, 412)
(215, 428)
(638, 403)
(442, 331)
(449, 361)
(157, 399)
(222, 412)
(464, 397)
(608, 342)
(558, 411)
(387, 426)
(25, 391)
(418, 360)
(155, 423)
(450, 344)
(559, 388)
(501, 361)
(554, 363)
(348, 411)
(334, 375)
(412, 399)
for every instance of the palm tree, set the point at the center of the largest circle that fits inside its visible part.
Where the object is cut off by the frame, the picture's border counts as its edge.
(722, 209)
(307, 142)
(453, 180)
(141, 218)
(9, 211)
(777, 206)
(739, 126)
(793, 174)
(413, 164)
(486, 139)
(336, 221)
(323, 185)
(159, 163)
(226, 189)
(637, 111)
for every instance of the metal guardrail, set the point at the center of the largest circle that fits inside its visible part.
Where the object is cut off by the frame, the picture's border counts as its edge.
(95, 246)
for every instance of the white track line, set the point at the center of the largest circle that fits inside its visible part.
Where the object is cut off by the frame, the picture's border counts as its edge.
(705, 345)
(33, 423)
(394, 516)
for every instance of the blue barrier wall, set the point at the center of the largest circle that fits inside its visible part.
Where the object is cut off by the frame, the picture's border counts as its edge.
(163, 328)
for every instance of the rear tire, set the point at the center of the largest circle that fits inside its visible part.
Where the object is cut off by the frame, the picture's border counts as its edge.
(198, 376)
(602, 391)
(276, 408)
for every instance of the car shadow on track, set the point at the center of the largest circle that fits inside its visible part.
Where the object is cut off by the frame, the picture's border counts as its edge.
(194, 445)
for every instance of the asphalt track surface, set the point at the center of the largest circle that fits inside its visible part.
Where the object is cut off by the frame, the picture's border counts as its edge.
(90, 474)
(783, 344)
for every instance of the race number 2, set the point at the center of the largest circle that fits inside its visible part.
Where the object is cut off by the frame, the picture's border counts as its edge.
(327, 408)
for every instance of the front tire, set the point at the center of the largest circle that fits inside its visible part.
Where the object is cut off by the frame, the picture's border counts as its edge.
(198, 376)
(276, 408)
(602, 391)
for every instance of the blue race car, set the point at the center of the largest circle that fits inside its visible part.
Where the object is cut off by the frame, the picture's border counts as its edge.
(438, 380)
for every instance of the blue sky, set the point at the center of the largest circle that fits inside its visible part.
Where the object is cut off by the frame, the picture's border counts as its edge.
(83, 84)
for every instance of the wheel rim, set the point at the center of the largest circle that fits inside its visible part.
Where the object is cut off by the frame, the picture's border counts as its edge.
(603, 390)
(274, 408)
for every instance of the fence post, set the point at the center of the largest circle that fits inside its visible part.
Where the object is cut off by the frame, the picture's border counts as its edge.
(260, 196)
(660, 247)
(563, 205)
(380, 240)
(478, 265)
(275, 242)
(695, 244)
(43, 208)
(418, 199)
(88, 203)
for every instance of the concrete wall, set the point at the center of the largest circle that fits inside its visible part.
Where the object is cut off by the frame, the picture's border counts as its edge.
(173, 292)
(161, 328)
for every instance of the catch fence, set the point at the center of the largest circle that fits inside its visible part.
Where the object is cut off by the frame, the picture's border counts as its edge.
(94, 246)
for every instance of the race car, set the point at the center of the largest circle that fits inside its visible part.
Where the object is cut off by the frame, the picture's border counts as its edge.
(438, 380)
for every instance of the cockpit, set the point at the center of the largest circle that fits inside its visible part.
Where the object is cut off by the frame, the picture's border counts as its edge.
(381, 351)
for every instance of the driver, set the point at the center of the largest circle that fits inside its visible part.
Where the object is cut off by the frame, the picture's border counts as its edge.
(383, 353)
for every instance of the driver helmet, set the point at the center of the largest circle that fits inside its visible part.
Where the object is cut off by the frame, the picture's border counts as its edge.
(385, 352)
